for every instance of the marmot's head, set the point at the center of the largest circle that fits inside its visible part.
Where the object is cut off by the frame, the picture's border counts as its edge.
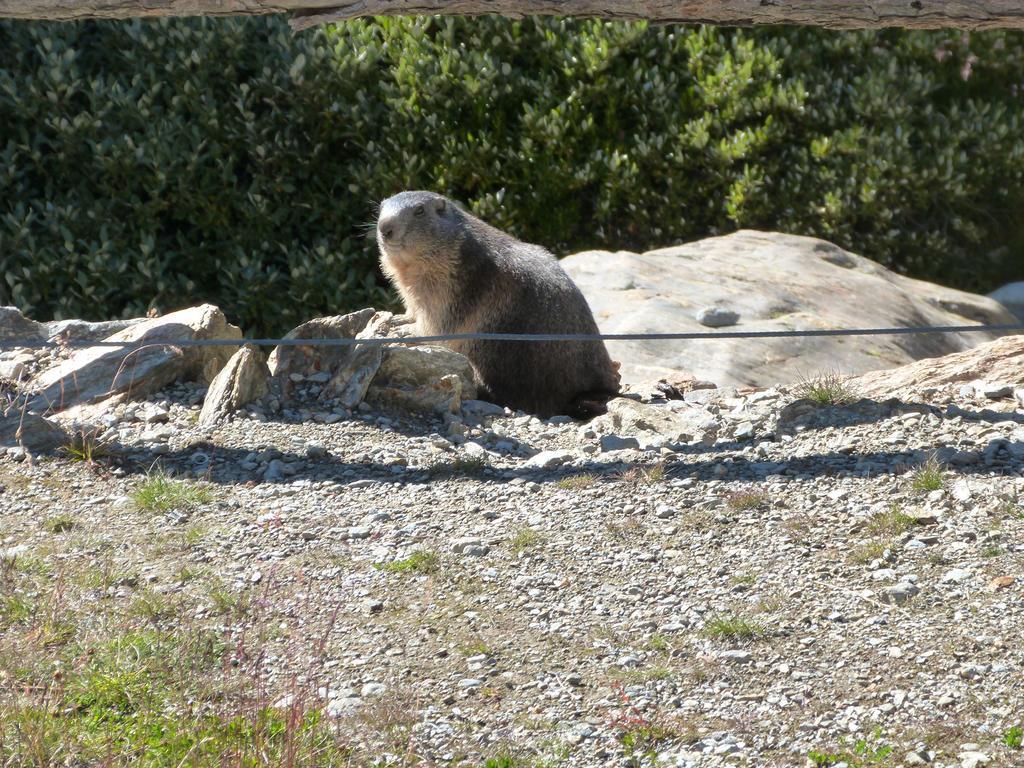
(416, 228)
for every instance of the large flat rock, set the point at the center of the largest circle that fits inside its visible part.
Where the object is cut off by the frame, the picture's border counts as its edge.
(95, 373)
(773, 282)
(997, 361)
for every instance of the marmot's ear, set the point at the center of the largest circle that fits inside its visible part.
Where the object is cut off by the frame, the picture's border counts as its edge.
(442, 204)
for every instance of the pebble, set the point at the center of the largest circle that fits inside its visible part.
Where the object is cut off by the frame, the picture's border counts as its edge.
(972, 759)
(956, 575)
(610, 443)
(717, 317)
(899, 593)
(548, 459)
(474, 450)
(736, 656)
(470, 546)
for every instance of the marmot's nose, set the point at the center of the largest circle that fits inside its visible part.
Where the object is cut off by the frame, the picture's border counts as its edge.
(387, 227)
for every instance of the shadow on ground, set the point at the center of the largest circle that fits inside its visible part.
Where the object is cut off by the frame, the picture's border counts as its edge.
(722, 461)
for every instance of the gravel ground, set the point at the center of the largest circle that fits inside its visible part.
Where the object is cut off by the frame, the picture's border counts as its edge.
(799, 584)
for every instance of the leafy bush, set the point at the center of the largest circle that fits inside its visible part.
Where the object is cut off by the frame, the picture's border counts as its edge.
(160, 163)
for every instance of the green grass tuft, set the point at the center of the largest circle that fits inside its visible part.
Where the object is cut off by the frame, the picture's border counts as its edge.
(86, 446)
(742, 501)
(1014, 737)
(59, 524)
(419, 562)
(928, 477)
(576, 482)
(525, 538)
(892, 522)
(829, 388)
(161, 493)
(734, 628)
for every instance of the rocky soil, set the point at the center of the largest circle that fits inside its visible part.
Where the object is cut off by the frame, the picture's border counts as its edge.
(737, 577)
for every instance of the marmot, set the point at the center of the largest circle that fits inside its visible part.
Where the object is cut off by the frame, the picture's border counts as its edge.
(457, 274)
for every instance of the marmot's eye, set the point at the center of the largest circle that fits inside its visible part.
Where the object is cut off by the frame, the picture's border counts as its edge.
(419, 210)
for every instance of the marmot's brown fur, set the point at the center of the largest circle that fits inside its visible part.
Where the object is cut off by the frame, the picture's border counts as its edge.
(457, 274)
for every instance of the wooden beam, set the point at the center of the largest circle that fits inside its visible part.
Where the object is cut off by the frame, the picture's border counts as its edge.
(838, 14)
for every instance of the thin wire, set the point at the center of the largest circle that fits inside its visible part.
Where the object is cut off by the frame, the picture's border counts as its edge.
(371, 342)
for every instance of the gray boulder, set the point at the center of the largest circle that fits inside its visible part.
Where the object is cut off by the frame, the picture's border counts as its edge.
(674, 420)
(307, 360)
(359, 364)
(772, 282)
(96, 373)
(243, 379)
(14, 326)
(33, 433)
(1001, 360)
(416, 378)
(422, 378)
(84, 330)
(1011, 296)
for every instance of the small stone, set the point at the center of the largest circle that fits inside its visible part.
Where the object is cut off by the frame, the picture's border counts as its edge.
(315, 451)
(923, 517)
(917, 757)
(1000, 582)
(372, 689)
(717, 317)
(358, 532)
(470, 546)
(13, 552)
(899, 594)
(371, 607)
(481, 408)
(474, 450)
(470, 682)
(961, 491)
(997, 391)
(665, 512)
(31, 432)
(610, 443)
(745, 430)
(548, 460)
(736, 657)
(343, 706)
(274, 473)
(12, 370)
(972, 672)
(972, 759)
(956, 575)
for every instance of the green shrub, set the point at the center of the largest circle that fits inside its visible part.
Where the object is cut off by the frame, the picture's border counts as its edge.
(160, 163)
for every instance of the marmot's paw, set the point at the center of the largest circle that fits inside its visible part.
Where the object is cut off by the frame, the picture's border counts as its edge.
(588, 405)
